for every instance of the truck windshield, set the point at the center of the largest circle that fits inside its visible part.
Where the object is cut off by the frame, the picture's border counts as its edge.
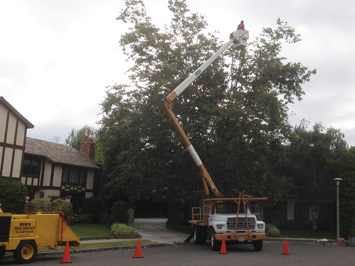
(228, 207)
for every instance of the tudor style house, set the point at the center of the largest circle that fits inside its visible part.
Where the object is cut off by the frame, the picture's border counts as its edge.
(48, 169)
(13, 130)
(56, 170)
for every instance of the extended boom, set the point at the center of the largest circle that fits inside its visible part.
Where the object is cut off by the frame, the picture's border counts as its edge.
(239, 39)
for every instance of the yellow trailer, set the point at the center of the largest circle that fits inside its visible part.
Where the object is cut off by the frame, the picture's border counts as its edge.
(22, 234)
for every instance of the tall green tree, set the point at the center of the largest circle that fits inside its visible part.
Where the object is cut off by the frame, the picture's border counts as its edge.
(311, 153)
(238, 130)
(345, 168)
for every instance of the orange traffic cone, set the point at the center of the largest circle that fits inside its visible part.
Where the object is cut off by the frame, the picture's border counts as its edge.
(66, 255)
(223, 247)
(138, 253)
(285, 250)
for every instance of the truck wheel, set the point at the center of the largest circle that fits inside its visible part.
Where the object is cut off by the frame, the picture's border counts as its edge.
(215, 244)
(25, 252)
(258, 245)
(2, 252)
(199, 235)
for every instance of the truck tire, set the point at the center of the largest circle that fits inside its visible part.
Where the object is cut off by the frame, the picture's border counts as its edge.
(2, 252)
(199, 235)
(258, 245)
(215, 244)
(25, 252)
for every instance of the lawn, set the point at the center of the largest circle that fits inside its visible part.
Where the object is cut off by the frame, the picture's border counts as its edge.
(92, 230)
(97, 245)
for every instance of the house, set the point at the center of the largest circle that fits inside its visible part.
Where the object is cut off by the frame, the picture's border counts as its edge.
(49, 170)
(53, 170)
(13, 130)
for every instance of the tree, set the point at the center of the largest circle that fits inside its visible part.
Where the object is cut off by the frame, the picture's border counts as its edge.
(310, 153)
(345, 168)
(238, 130)
(76, 136)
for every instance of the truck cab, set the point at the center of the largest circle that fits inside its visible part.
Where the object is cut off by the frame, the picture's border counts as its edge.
(228, 218)
(223, 219)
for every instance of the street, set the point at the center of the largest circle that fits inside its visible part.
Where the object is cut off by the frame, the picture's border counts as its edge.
(301, 253)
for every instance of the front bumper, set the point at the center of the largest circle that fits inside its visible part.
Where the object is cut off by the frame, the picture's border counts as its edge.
(241, 237)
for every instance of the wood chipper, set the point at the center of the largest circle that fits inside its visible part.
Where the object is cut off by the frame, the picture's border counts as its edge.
(22, 234)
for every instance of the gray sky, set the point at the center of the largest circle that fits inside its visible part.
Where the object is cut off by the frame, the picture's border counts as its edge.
(57, 57)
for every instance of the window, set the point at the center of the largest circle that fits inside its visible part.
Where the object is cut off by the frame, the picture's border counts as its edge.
(74, 176)
(229, 207)
(255, 208)
(31, 166)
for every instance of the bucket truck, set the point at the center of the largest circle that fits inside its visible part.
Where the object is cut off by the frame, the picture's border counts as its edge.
(228, 218)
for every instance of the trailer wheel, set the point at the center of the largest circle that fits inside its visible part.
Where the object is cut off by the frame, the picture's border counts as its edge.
(26, 251)
(2, 252)
(258, 245)
(215, 244)
(199, 235)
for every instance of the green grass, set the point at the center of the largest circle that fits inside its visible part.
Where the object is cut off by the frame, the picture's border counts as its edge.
(92, 230)
(97, 245)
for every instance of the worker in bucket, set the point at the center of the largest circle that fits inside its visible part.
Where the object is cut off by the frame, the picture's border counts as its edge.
(241, 26)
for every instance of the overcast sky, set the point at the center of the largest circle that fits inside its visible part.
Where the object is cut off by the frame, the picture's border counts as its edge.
(57, 57)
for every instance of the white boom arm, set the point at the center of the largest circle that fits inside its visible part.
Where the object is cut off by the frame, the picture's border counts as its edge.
(239, 39)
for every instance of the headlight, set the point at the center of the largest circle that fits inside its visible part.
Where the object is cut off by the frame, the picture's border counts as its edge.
(260, 226)
(219, 226)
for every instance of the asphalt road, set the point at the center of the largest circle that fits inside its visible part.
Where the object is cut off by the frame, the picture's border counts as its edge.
(300, 254)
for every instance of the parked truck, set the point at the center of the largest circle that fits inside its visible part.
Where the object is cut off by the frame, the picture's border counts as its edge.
(22, 234)
(219, 218)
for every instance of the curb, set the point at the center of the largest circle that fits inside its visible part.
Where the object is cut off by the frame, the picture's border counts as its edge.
(154, 245)
(88, 250)
(315, 240)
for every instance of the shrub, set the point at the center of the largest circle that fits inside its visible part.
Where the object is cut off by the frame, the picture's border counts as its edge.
(60, 205)
(40, 205)
(12, 195)
(119, 212)
(272, 230)
(119, 230)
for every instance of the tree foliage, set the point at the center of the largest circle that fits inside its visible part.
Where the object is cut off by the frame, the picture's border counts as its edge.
(311, 154)
(76, 136)
(237, 120)
(345, 169)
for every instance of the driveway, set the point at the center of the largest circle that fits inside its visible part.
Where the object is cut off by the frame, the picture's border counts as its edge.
(154, 229)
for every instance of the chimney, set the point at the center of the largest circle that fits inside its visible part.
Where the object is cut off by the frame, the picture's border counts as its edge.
(87, 147)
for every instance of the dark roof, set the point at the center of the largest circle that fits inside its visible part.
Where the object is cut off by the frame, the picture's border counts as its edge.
(58, 153)
(15, 112)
